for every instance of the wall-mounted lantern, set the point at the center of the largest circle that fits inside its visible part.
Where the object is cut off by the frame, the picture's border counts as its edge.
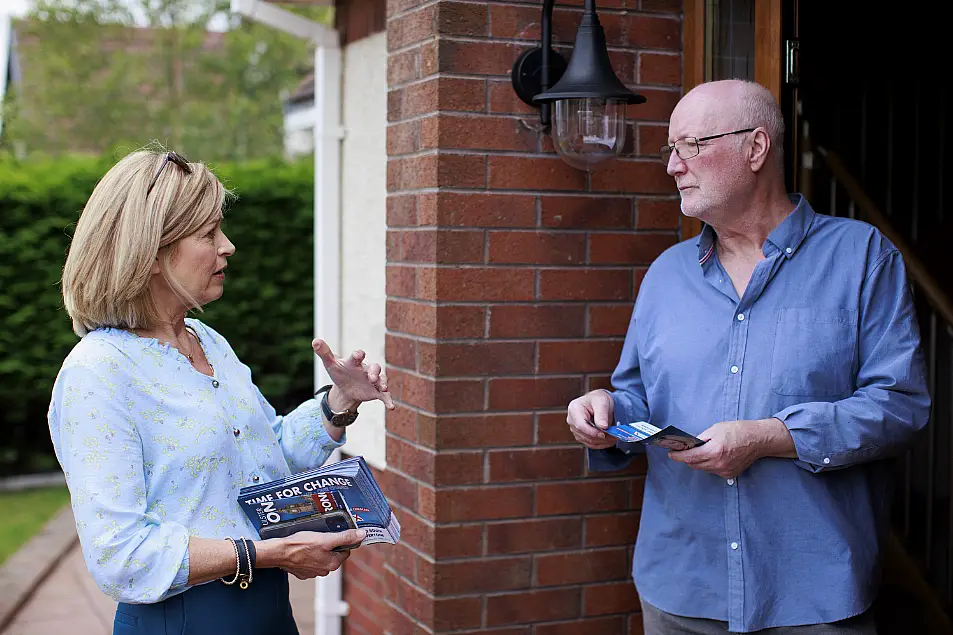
(590, 100)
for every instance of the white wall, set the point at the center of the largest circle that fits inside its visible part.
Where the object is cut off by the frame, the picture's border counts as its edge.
(364, 224)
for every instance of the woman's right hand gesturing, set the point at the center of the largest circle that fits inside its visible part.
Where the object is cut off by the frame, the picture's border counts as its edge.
(308, 554)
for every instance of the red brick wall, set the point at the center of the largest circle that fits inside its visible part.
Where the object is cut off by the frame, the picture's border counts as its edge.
(364, 584)
(510, 281)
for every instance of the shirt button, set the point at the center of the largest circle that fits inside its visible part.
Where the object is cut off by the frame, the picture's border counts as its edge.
(734, 369)
(788, 250)
(255, 478)
(731, 481)
(215, 383)
(734, 545)
(236, 431)
(826, 460)
(741, 317)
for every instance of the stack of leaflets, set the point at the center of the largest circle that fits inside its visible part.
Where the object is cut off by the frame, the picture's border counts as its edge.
(670, 437)
(331, 498)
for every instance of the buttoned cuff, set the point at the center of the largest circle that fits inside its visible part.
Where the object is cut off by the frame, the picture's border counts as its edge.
(814, 453)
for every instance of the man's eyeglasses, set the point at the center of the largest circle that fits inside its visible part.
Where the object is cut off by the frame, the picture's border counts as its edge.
(174, 157)
(688, 147)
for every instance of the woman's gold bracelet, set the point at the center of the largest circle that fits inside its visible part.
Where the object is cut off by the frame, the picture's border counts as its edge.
(244, 584)
(237, 563)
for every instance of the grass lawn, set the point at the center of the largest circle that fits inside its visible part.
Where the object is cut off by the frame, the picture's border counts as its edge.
(25, 513)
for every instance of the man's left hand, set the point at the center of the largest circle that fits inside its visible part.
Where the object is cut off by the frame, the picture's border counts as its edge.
(732, 446)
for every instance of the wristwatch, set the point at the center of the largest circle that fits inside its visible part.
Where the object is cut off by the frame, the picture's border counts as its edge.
(337, 419)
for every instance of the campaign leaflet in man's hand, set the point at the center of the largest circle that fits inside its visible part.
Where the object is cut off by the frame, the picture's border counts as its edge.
(669, 437)
(331, 498)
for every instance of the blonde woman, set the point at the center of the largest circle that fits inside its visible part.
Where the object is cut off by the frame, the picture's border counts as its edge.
(157, 424)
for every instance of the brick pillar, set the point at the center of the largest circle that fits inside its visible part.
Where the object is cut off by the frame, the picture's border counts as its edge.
(510, 282)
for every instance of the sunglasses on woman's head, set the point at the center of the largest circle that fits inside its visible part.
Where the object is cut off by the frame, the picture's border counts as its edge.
(173, 157)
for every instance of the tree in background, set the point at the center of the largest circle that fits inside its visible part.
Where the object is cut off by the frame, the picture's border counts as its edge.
(97, 75)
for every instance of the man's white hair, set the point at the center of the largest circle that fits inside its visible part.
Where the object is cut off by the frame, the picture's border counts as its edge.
(759, 108)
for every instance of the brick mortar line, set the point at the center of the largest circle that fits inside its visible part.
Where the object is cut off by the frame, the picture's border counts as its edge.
(499, 449)
(522, 340)
(481, 413)
(464, 114)
(575, 8)
(521, 555)
(529, 42)
(479, 377)
(543, 193)
(449, 266)
(493, 486)
(501, 39)
(489, 153)
(416, 44)
(482, 450)
(492, 265)
(502, 79)
(489, 303)
(526, 154)
(363, 587)
(590, 479)
(417, 623)
(569, 586)
(416, 7)
(511, 521)
(497, 152)
(514, 265)
(578, 8)
(505, 556)
(538, 481)
(505, 79)
(572, 231)
(471, 413)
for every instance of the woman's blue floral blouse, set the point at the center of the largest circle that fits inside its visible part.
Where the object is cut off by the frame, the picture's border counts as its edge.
(155, 452)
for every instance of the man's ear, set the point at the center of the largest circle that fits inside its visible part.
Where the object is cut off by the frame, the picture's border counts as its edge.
(760, 148)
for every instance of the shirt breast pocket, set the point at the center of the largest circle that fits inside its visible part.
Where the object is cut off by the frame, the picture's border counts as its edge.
(814, 352)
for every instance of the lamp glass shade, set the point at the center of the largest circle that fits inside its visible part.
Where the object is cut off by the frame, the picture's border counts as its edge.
(589, 131)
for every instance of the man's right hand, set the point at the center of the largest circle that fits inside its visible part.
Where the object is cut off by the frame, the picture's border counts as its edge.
(588, 416)
(308, 554)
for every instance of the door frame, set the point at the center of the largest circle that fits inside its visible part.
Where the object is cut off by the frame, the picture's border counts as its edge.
(768, 58)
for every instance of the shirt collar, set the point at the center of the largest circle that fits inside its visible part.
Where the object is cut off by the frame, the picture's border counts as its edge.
(789, 235)
(786, 237)
(706, 243)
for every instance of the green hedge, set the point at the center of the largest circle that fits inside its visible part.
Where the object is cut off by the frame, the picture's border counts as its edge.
(266, 312)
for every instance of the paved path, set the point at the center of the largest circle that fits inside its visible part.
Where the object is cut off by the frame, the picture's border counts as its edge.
(69, 603)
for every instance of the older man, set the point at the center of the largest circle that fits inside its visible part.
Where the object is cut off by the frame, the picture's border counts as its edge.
(788, 341)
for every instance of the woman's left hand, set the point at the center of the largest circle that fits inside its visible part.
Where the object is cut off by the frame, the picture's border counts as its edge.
(356, 381)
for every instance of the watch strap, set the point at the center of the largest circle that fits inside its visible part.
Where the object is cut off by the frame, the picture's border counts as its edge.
(337, 419)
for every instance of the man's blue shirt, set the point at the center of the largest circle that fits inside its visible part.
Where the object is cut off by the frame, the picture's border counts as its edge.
(826, 340)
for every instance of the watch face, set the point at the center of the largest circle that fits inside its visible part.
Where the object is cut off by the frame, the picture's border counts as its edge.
(343, 420)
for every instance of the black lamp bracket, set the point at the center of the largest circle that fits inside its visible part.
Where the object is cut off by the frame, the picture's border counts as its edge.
(536, 70)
